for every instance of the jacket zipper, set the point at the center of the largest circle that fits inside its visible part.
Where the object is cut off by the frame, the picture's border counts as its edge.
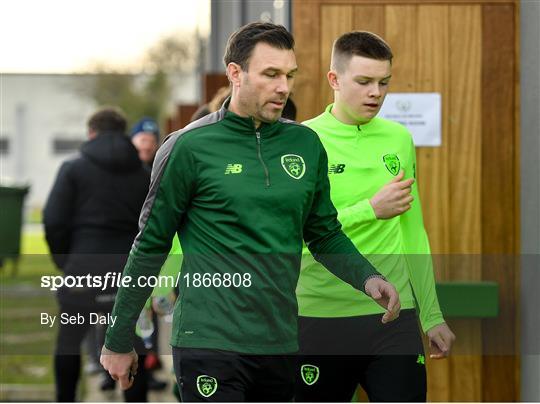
(267, 175)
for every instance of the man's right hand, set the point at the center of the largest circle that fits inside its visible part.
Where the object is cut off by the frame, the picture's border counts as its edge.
(121, 366)
(394, 198)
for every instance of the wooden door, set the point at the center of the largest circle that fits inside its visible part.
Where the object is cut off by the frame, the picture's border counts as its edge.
(468, 52)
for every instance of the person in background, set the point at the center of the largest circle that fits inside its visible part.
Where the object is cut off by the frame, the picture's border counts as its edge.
(90, 220)
(372, 169)
(289, 111)
(214, 104)
(145, 138)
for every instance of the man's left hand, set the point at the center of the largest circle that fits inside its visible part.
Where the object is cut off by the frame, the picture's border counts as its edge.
(386, 295)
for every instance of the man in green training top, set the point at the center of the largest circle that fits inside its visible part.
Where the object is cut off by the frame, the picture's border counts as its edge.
(242, 188)
(371, 171)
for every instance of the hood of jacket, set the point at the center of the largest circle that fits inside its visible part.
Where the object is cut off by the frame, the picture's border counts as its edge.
(112, 151)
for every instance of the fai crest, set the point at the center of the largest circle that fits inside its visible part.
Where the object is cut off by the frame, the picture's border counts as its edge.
(207, 385)
(310, 374)
(391, 161)
(293, 165)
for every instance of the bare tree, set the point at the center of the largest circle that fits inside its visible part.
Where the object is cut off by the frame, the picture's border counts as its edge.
(147, 92)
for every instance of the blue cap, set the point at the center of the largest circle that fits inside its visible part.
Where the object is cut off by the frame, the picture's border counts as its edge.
(146, 125)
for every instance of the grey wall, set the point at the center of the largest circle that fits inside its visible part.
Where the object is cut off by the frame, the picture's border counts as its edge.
(530, 200)
(227, 16)
(38, 108)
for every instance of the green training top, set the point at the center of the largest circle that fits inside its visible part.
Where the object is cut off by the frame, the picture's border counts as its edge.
(361, 160)
(241, 200)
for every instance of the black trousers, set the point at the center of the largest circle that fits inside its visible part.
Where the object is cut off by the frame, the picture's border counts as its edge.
(205, 375)
(338, 354)
(67, 358)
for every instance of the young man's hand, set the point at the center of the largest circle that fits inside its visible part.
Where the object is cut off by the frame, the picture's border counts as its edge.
(386, 295)
(441, 339)
(394, 198)
(121, 366)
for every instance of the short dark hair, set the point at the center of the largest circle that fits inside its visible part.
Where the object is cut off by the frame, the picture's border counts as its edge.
(241, 43)
(359, 43)
(108, 119)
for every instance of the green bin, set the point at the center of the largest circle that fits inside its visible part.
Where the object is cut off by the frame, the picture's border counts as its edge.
(11, 214)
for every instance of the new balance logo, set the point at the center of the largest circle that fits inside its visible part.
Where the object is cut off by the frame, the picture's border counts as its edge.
(336, 169)
(233, 169)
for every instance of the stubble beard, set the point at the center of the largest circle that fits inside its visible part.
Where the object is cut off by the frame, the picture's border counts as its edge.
(266, 115)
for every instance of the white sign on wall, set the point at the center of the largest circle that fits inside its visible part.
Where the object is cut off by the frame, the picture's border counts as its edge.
(419, 112)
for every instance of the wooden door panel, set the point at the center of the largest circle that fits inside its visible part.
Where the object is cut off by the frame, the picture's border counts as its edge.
(464, 140)
(466, 51)
(370, 18)
(306, 93)
(499, 187)
(336, 21)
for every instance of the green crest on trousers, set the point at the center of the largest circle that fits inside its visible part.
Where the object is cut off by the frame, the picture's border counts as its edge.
(207, 385)
(391, 161)
(310, 374)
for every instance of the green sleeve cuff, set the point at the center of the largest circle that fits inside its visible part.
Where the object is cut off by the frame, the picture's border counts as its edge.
(117, 348)
(361, 212)
(432, 321)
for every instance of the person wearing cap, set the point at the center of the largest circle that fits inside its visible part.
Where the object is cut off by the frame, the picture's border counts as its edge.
(145, 138)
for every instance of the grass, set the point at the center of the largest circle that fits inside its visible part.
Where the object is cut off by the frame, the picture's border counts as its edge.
(34, 243)
(35, 215)
(26, 346)
(24, 369)
(29, 270)
(33, 262)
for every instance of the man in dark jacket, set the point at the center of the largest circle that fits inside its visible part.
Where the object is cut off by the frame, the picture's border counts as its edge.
(90, 221)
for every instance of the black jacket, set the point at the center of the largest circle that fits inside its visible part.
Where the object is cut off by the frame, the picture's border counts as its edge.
(91, 215)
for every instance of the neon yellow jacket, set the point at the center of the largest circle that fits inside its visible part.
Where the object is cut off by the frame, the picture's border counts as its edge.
(170, 268)
(361, 160)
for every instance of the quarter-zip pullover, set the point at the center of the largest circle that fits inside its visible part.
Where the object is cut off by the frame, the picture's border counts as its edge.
(362, 159)
(242, 200)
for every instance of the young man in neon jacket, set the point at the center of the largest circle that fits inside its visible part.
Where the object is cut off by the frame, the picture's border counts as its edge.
(372, 175)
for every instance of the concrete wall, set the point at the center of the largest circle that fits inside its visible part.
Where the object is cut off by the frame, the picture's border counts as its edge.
(36, 109)
(227, 16)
